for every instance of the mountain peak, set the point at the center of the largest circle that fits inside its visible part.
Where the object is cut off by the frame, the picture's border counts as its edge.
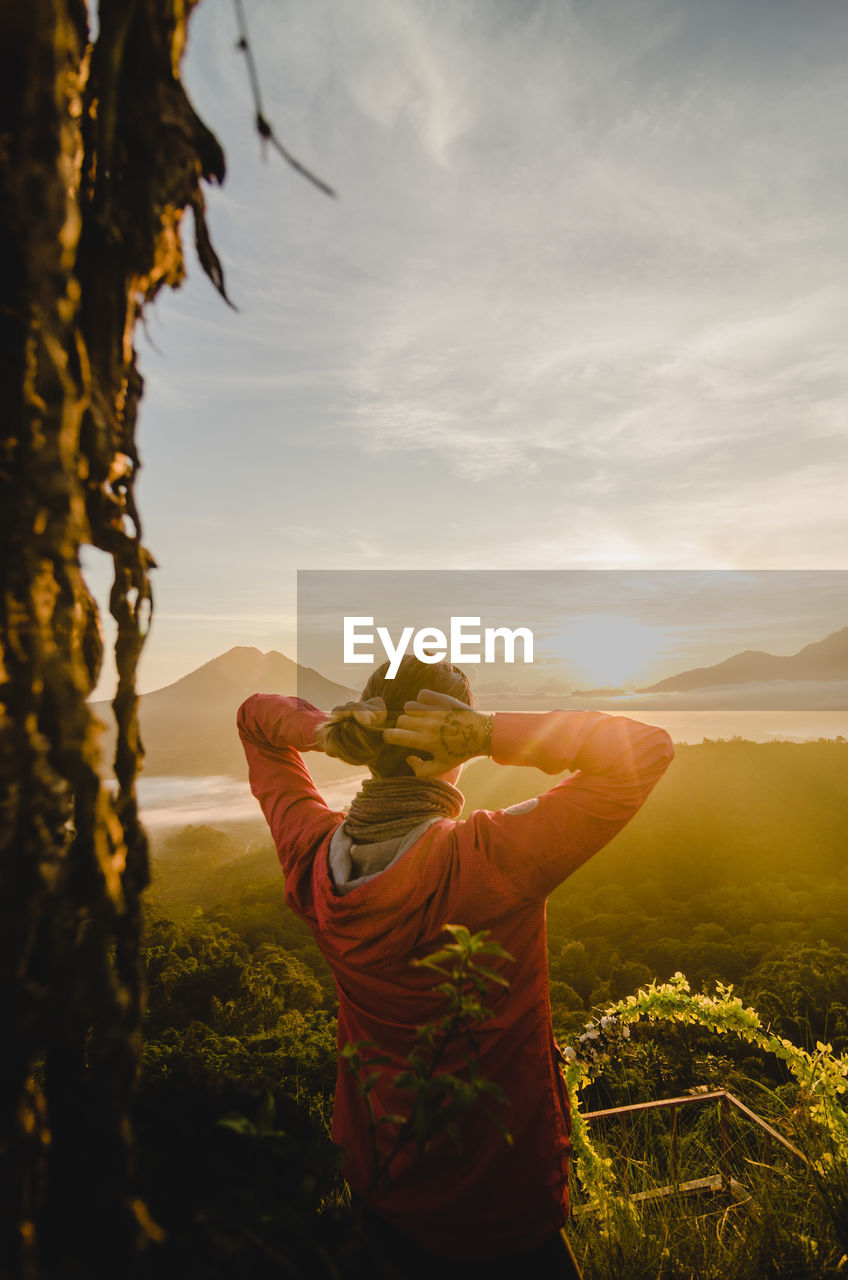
(242, 668)
(825, 659)
(189, 727)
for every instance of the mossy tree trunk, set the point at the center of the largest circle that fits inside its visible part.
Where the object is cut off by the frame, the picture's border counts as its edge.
(101, 155)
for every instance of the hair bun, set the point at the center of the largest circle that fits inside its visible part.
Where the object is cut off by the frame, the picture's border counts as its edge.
(354, 731)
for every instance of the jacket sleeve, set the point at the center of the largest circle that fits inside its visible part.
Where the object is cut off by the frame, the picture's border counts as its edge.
(619, 761)
(273, 731)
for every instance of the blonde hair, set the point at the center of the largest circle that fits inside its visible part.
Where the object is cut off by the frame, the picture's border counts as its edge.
(354, 731)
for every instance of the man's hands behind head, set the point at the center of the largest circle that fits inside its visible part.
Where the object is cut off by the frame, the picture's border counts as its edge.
(448, 729)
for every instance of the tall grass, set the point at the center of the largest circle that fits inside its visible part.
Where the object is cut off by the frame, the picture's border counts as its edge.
(774, 1220)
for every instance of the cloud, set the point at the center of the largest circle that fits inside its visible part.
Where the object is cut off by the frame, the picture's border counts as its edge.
(403, 78)
(600, 241)
(575, 305)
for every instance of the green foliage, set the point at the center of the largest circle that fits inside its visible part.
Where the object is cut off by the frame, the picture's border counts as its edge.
(239, 1179)
(438, 1098)
(252, 1014)
(821, 1077)
(205, 971)
(237, 884)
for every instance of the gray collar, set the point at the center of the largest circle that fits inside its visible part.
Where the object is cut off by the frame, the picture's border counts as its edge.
(354, 864)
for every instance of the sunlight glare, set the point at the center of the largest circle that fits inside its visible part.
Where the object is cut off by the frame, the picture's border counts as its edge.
(609, 651)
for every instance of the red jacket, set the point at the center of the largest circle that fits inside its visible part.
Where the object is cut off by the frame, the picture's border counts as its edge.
(492, 871)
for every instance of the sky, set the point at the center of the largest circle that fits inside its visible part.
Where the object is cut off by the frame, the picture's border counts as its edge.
(580, 304)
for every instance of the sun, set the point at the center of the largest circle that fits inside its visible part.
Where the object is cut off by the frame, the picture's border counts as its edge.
(609, 651)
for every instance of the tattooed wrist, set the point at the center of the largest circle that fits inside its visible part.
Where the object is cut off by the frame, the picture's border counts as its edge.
(465, 734)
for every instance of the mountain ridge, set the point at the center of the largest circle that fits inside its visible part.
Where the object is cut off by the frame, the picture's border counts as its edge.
(825, 659)
(188, 727)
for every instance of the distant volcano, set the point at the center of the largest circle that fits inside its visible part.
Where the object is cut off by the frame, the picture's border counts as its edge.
(822, 660)
(189, 727)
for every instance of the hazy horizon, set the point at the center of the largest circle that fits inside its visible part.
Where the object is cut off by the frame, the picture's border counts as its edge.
(169, 801)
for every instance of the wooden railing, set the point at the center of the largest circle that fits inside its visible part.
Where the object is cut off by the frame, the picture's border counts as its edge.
(724, 1180)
